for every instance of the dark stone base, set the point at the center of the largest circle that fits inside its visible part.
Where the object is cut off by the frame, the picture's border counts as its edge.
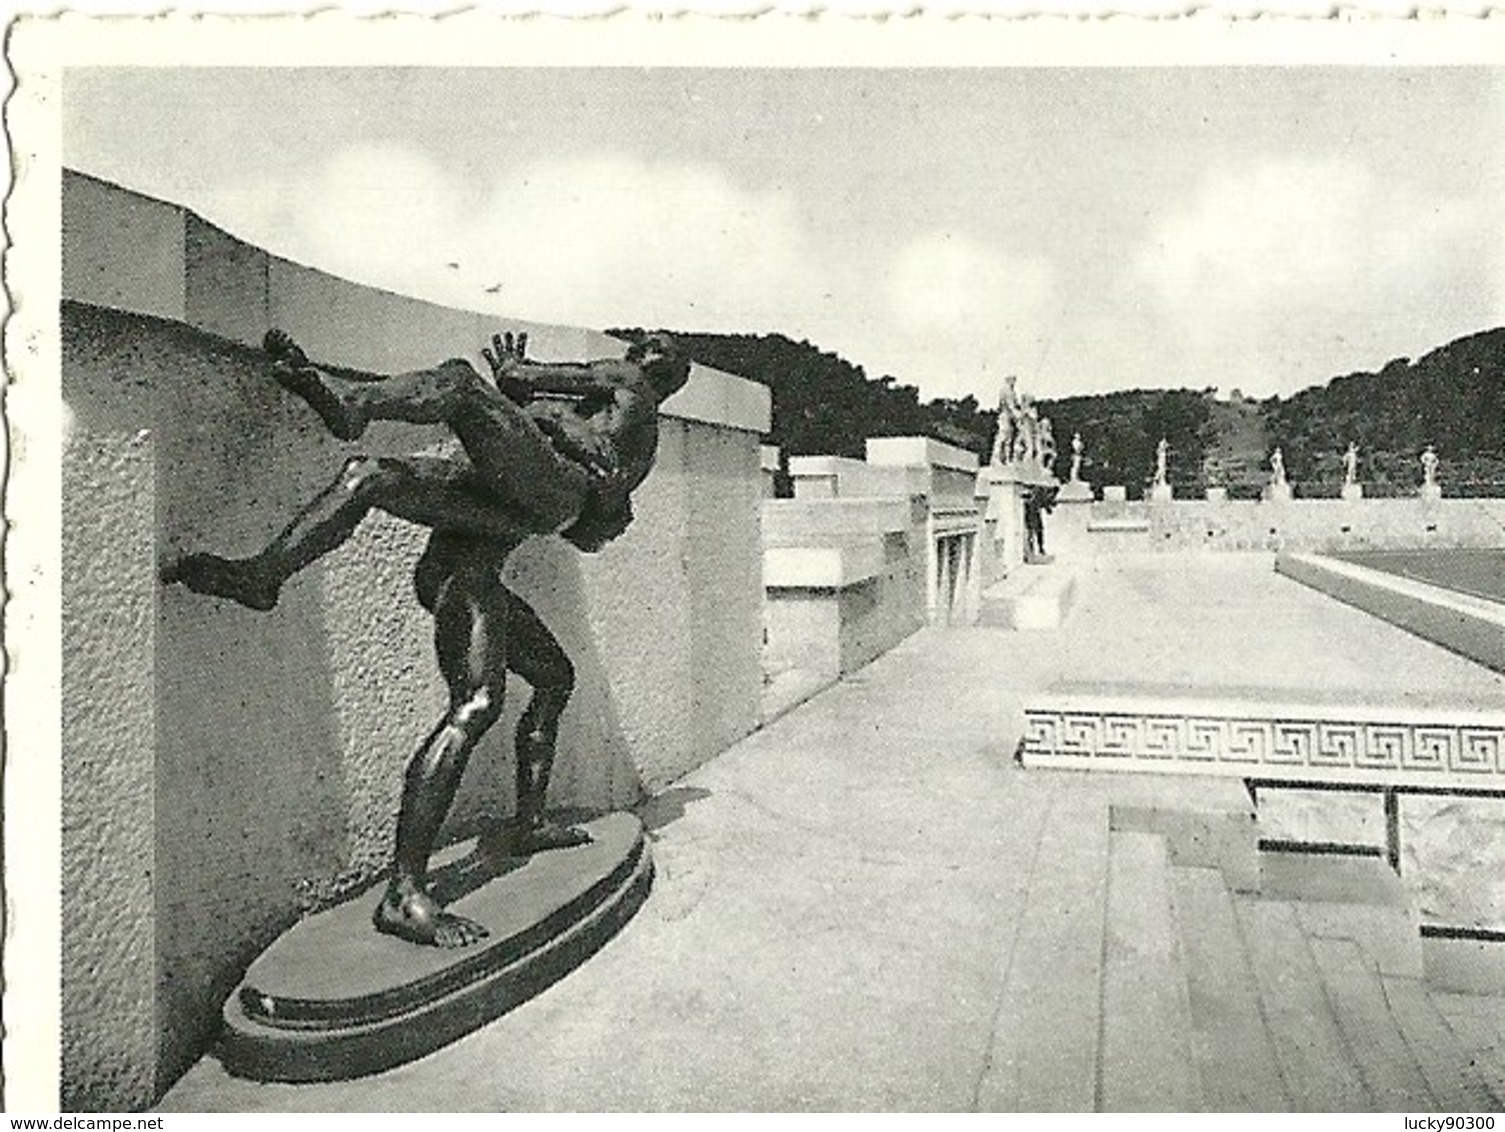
(334, 999)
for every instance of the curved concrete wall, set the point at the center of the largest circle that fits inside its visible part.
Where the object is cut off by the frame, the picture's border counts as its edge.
(225, 770)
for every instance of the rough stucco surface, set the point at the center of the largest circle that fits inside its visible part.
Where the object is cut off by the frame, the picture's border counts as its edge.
(108, 1017)
(226, 769)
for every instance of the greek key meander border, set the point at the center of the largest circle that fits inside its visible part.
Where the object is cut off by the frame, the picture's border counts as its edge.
(1218, 745)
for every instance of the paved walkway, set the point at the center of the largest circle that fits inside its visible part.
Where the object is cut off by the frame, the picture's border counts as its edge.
(838, 897)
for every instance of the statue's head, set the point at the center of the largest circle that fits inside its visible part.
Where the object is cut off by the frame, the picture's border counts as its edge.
(663, 363)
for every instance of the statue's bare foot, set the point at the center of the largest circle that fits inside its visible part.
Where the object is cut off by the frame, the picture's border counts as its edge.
(417, 918)
(520, 839)
(235, 579)
(295, 373)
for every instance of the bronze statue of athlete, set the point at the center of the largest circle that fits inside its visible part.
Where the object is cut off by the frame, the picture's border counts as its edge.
(548, 448)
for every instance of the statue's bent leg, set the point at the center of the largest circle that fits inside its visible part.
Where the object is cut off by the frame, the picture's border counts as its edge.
(326, 522)
(470, 635)
(434, 492)
(535, 654)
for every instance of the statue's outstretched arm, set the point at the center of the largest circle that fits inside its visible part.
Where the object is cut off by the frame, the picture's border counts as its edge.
(519, 378)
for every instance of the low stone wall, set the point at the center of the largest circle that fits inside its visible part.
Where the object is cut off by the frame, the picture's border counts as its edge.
(844, 582)
(1105, 529)
(224, 770)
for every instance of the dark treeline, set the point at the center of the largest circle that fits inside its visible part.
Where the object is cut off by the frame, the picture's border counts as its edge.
(1453, 398)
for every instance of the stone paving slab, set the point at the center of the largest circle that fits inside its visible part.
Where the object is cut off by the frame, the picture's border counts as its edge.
(837, 894)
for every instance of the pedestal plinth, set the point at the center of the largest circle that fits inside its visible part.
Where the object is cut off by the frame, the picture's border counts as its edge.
(1217, 495)
(1278, 493)
(334, 999)
(1431, 491)
(1006, 486)
(1075, 491)
(1161, 493)
(1353, 491)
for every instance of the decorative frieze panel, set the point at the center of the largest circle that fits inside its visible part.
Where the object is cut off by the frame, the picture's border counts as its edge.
(1330, 744)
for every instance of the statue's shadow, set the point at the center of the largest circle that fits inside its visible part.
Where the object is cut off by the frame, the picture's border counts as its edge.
(486, 851)
(475, 870)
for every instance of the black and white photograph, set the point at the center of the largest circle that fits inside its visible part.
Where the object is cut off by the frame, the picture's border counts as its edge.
(802, 565)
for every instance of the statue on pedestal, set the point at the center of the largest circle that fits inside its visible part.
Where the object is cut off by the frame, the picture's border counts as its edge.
(1076, 457)
(1008, 413)
(1429, 467)
(1277, 469)
(1026, 431)
(547, 448)
(1351, 465)
(1162, 451)
(1047, 446)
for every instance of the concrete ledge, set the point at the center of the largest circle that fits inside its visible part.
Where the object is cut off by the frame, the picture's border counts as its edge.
(818, 567)
(1470, 626)
(913, 451)
(817, 522)
(1469, 966)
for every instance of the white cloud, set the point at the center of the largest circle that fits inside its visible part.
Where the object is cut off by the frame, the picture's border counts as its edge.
(963, 313)
(1274, 266)
(594, 240)
(604, 239)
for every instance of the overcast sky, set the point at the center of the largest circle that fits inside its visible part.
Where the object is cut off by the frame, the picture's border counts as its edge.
(1086, 229)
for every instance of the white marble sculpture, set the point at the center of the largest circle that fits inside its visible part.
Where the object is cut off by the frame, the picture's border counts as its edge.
(1047, 444)
(1076, 457)
(1008, 414)
(1429, 467)
(1162, 451)
(1277, 469)
(1351, 465)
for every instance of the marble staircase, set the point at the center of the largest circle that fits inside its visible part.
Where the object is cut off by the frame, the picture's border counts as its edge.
(1151, 971)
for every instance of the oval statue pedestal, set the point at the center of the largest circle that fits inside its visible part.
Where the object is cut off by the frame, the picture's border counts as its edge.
(333, 998)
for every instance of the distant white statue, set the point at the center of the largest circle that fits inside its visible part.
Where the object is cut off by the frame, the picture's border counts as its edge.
(1351, 464)
(1162, 451)
(1076, 457)
(1008, 415)
(1429, 467)
(1277, 467)
(1047, 443)
(1026, 431)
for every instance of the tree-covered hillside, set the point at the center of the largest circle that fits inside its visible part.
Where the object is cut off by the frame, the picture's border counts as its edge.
(1453, 398)
(825, 405)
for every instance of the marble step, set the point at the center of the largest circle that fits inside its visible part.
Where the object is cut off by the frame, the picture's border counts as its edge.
(1045, 1057)
(1310, 1048)
(1357, 997)
(1147, 1063)
(1234, 1052)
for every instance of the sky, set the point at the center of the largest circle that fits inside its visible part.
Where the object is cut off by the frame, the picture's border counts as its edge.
(1086, 229)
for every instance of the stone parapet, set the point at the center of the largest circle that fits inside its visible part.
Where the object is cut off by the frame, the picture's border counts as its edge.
(1114, 528)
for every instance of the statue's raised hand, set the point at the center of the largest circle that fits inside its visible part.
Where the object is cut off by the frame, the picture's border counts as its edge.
(507, 354)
